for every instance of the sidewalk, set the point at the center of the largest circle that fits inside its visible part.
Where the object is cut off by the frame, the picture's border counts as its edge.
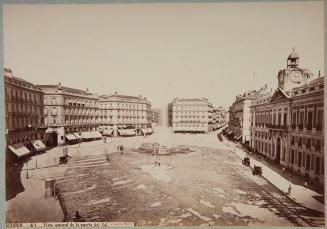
(31, 205)
(300, 194)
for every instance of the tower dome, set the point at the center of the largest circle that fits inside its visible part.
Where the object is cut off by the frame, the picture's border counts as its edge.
(293, 59)
(293, 55)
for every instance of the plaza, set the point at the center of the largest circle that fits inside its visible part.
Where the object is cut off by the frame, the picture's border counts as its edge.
(206, 186)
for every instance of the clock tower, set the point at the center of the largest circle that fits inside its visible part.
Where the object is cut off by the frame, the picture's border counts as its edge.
(293, 76)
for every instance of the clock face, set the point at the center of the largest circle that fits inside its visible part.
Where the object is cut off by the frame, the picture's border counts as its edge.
(296, 76)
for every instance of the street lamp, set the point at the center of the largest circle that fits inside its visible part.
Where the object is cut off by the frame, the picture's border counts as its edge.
(26, 169)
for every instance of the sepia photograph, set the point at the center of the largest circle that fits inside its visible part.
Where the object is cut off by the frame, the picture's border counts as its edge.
(163, 113)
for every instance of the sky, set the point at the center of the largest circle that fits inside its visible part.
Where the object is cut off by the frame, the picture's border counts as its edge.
(162, 51)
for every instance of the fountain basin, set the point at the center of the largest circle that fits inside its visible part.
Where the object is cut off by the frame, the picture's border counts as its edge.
(148, 148)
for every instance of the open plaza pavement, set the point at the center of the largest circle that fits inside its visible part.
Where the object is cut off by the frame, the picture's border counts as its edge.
(206, 186)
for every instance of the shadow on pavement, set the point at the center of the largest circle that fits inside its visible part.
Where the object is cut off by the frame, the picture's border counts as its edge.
(14, 184)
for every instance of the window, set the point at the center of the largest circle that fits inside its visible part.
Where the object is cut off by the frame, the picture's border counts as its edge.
(308, 143)
(301, 120)
(299, 159)
(318, 145)
(279, 118)
(285, 119)
(320, 116)
(292, 156)
(307, 162)
(300, 141)
(309, 123)
(284, 155)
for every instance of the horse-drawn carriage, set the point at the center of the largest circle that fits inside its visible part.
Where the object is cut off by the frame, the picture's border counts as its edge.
(257, 170)
(64, 158)
(246, 161)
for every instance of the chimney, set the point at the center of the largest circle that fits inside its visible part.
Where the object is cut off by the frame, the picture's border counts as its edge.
(319, 74)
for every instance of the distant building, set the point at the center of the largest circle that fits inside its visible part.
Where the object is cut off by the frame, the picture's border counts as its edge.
(239, 115)
(25, 130)
(219, 117)
(121, 112)
(190, 115)
(287, 125)
(68, 113)
(156, 116)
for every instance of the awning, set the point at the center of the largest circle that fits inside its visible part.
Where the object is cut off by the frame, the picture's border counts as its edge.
(38, 145)
(86, 135)
(230, 132)
(128, 132)
(96, 134)
(19, 150)
(108, 132)
(77, 135)
(238, 137)
(70, 137)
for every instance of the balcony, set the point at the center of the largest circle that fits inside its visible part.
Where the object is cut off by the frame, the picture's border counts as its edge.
(277, 127)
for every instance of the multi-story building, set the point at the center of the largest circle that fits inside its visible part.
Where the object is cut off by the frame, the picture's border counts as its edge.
(306, 153)
(287, 125)
(219, 117)
(239, 115)
(157, 116)
(190, 115)
(125, 115)
(69, 113)
(25, 130)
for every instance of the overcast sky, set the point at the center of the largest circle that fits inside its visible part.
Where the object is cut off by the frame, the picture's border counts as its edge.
(162, 51)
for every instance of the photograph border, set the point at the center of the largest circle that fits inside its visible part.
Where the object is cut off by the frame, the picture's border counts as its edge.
(54, 2)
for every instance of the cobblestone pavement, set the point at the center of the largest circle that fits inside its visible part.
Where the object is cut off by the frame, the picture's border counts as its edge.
(204, 187)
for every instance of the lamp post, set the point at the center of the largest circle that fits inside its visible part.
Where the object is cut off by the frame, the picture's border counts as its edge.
(36, 161)
(26, 169)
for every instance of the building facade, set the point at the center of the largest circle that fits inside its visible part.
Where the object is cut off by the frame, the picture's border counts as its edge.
(24, 122)
(306, 153)
(190, 115)
(67, 111)
(240, 118)
(124, 112)
(287, 125)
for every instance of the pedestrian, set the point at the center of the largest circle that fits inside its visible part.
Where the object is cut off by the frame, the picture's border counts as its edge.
(289, 189)
(77, 216)
(283, 169)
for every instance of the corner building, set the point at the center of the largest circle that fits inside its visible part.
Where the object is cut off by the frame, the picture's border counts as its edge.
(119, 112)
(190, 115)
(24, 126)
(287, 125)
(68, 112)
